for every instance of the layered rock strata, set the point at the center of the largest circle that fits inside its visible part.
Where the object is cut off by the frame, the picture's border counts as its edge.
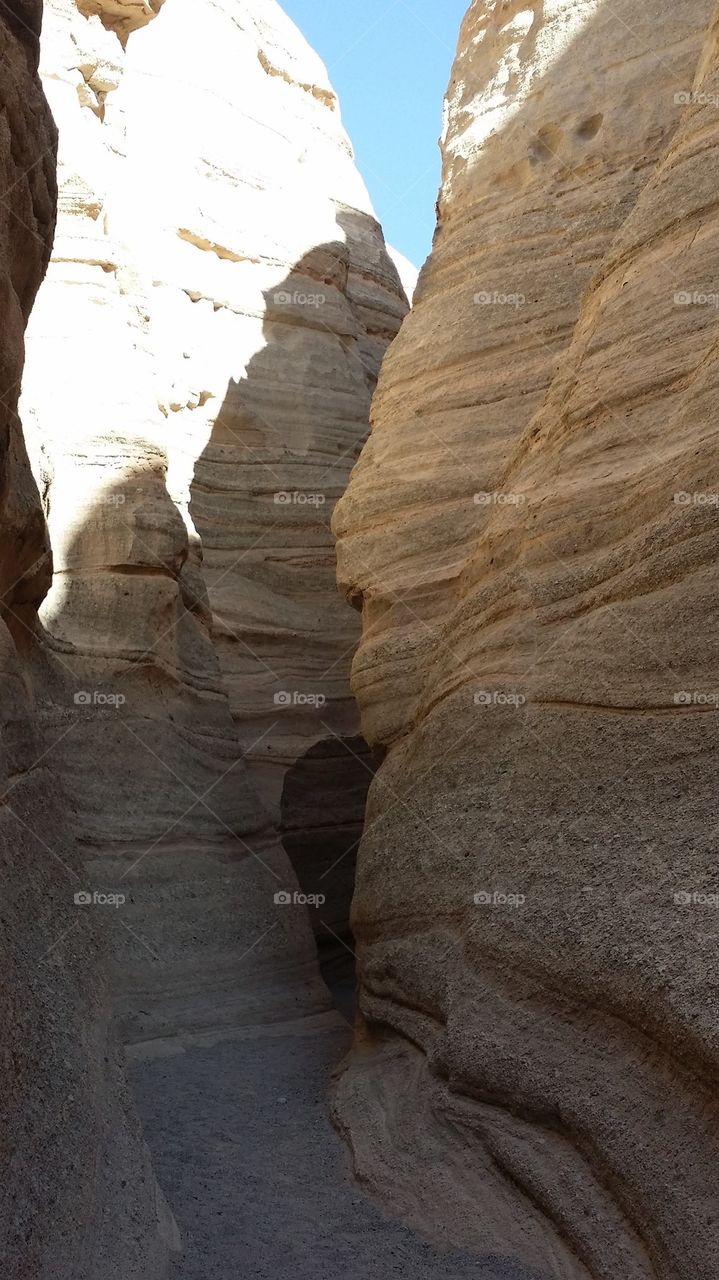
(532, 535)
(200, 365)
(78, 1198)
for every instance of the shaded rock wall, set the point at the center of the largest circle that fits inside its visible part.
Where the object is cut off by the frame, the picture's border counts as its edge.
(200, 365)
(78, 1199)
(532, 534)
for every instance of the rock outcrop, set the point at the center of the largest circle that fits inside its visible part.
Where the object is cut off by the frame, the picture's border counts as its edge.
(532, 534)
(78, 1198)
(200, 366)
(406, 270)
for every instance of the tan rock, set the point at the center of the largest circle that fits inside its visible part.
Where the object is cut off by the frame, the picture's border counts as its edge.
(538, 953)
(200, 365)
(78, 1197)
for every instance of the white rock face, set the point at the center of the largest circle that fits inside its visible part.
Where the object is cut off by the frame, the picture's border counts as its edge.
(199, 372)
(408, 273)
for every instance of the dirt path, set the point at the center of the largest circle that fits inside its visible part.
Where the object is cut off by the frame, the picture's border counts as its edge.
(257, 1178)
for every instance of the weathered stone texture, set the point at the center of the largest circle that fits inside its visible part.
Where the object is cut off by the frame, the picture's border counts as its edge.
(78, 1199)
(200, 366)
(539, 662)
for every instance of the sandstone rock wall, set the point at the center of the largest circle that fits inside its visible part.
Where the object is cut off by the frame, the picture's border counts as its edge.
(200, 365)
(78, 1199)
(532, 534)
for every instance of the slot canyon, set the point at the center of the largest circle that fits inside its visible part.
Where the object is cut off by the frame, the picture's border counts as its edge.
(358, 705)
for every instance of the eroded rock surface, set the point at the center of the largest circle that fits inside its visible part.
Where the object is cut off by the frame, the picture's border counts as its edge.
(532, 533)
(200, 366)
(78, 1198)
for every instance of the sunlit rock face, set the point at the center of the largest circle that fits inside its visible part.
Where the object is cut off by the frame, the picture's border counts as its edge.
(77, 1195)
(273, 301)
(407, 271)
(536, 893)
(200, 366)
(120, 16)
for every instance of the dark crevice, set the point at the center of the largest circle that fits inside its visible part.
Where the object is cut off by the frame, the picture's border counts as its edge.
(332, 778)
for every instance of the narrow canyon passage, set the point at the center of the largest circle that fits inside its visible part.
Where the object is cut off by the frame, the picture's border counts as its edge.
(372, 930)
(196, 391)
(260, 1184)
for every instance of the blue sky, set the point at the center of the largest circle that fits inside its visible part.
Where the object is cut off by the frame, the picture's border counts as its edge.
(390, 62)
